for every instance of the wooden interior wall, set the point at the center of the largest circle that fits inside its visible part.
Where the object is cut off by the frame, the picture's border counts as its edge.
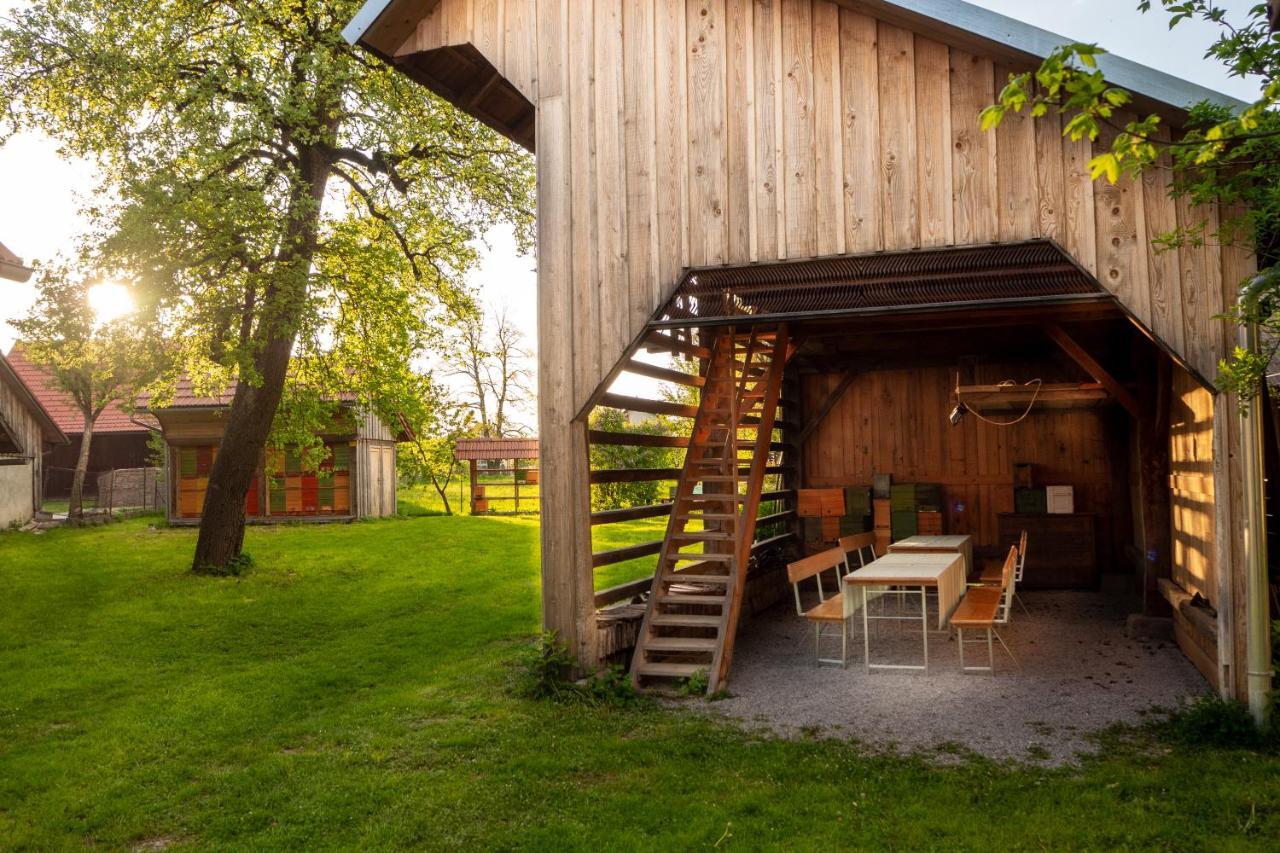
(895, 422)
(699, 132)
(1192, 488)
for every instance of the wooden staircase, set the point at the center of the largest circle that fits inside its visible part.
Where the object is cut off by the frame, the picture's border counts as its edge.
(693, 608)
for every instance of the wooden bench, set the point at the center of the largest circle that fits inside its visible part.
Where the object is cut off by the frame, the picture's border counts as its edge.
(829, 610)
(982, 609)
(993, 575)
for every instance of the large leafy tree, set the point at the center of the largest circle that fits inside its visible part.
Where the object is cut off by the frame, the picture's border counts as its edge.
(94, 363)
(296, 212)
(1220, 155)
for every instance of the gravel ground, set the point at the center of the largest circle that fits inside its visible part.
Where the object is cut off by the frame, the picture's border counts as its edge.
(1078, 673)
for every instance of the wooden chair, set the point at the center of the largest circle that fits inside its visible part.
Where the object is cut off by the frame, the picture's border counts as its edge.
(829, 610)
(860, 547)
(991, 576)
(981, 610)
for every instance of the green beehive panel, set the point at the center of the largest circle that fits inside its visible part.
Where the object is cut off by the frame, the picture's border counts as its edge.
(902, 497)
(857, 500)
(902, 523)
(854, 523)
(1030, 501)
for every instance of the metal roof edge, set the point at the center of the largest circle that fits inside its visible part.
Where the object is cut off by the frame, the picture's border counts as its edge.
(1126, 73)
(365, 18)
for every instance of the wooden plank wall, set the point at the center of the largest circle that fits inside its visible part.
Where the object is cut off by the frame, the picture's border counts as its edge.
(27, 434)
(711, 132)
(686, 132)
(895, 422)
(1191, 483)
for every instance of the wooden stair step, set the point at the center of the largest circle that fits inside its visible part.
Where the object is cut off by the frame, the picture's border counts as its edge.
(688, 577)
(669, 670)
(706, 558)
(685, 620)
(703, 536)
(680, 644)
(708, 516)
(685, 598)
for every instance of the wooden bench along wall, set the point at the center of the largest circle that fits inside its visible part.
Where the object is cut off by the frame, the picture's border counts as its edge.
(707, 132)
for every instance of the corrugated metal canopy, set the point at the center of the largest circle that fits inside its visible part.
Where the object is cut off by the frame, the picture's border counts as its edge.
(1036, 271)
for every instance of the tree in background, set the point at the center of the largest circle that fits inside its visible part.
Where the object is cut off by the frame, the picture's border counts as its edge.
(492, 362)
(436, 422)
(96, 364)
(298, 214)
(1222, 156)
(618, 495)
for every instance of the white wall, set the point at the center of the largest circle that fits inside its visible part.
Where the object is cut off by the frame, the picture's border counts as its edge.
(15, 494)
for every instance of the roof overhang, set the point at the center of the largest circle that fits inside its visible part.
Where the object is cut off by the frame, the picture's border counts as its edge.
(950, 278)
(380, 25)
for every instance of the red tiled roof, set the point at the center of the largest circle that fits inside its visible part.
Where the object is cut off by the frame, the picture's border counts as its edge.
(58, 403)
(496, 448)
(10, 377)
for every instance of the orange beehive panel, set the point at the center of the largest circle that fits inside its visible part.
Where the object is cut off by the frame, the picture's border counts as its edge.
(815, 503)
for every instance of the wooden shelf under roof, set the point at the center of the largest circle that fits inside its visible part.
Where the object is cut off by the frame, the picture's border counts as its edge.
(986, 399)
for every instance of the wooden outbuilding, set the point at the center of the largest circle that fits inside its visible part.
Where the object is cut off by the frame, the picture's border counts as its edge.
(504, 458)
(356, 479)
(27, 435)
(119, 442)
(796, 195)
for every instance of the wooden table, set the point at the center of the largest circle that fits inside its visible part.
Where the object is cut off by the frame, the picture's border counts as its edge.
(937, 545)
(943, 571)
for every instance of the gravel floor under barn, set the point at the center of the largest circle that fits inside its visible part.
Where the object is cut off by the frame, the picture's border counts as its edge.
(1078, 673)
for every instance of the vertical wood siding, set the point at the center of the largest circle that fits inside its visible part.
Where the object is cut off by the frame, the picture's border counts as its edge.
(675, 133)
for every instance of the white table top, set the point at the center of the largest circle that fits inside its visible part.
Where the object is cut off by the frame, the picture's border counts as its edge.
(924, 543)
(907, 569)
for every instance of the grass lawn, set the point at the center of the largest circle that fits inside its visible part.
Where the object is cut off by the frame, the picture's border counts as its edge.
(350, 691)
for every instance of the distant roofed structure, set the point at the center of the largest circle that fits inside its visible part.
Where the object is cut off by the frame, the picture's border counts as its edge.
(12, 267)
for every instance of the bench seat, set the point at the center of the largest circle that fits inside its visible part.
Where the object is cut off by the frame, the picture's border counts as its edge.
(831, 610)
(978, 609)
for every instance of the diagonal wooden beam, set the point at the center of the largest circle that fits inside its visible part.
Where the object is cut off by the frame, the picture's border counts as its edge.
(827, 405)
(1090, 365)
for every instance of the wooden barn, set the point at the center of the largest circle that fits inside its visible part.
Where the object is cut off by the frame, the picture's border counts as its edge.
(27, 435)
(797, 195)
(356, 480)
(119, 438)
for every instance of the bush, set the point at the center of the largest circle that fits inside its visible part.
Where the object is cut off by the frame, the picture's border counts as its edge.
(1214, 722)
(544, 671)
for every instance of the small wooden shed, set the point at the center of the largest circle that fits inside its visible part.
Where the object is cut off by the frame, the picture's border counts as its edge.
(356, 480)
(797, 195)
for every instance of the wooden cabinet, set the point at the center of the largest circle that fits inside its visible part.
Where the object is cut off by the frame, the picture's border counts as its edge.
(1062, 550)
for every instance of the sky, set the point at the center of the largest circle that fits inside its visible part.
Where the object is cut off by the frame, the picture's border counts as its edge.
(41, 192)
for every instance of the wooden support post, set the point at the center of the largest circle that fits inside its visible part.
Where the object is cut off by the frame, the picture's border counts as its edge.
(1154, 521)
(1090, 365)
(473, 487)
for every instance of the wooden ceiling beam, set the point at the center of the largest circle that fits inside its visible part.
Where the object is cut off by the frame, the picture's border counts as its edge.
(1090, 365)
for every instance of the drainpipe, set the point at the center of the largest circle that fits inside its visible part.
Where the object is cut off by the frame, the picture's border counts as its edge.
(1258, 628)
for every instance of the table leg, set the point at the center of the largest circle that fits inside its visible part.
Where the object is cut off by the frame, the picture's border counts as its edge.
(924, 625)
(866, 635)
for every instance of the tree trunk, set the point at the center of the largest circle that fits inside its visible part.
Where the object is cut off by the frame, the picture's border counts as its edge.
(253, 409)
(75, 508)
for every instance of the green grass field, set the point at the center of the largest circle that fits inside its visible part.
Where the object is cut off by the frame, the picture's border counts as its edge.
(351, 691)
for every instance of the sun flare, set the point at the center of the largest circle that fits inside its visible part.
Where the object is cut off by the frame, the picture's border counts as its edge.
(110, 301)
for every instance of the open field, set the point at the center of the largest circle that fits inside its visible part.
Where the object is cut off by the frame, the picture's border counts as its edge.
(351, 691)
